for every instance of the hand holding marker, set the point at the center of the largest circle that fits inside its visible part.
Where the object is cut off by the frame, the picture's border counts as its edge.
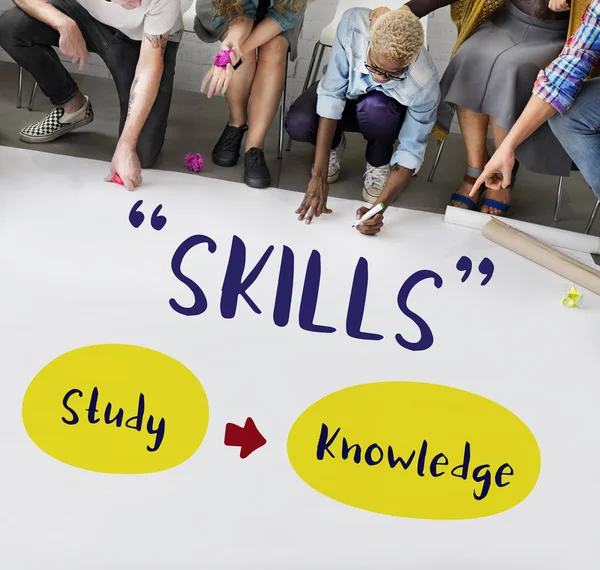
(370, 214)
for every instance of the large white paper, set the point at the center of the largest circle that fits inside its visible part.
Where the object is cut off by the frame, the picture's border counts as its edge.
(77, 273)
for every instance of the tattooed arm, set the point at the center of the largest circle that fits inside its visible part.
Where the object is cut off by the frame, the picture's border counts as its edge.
(144, 87)
(142, 95)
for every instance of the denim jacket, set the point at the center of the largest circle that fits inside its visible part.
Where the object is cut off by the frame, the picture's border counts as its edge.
(346, 77)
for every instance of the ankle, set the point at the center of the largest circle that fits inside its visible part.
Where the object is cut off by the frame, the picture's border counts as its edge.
(237, 121)
(253, 144)
(75, 104)
(474, 171)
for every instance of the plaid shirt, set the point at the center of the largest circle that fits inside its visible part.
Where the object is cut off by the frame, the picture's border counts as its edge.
(560, 83)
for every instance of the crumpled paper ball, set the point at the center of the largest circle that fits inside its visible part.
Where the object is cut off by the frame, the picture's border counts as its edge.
(194, 161)
(223, 58)
(572, 298)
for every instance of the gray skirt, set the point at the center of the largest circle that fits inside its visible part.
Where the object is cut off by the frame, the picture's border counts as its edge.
(493, 73)
(208, 32)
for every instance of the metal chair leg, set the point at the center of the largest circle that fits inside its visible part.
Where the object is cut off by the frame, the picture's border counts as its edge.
(309, 74)
(592, 218)
(20, 87)
(559, 194)
(282, 111)
(436, 161)
(33, 92)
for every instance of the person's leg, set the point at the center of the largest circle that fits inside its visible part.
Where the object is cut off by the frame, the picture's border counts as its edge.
(266, 90)
(302, 120)
(578, 130)
(30, 42)
(226, 151)
(474, 128)
(265, 96)
(302, 123)
(379, 120)
(503, 195)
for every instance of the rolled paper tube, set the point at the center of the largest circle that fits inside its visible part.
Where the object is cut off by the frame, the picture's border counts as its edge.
(542, 254)
(553, 236)
(223, 58)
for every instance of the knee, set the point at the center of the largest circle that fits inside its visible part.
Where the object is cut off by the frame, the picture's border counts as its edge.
(378, 111)
(12, 26)
(274, 52)
(298, 125)
(559, 124)
(147, 156)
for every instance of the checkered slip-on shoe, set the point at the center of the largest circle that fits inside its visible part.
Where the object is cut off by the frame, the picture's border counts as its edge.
(57, 123)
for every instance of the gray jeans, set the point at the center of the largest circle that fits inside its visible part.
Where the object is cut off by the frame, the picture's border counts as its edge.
(29, 42)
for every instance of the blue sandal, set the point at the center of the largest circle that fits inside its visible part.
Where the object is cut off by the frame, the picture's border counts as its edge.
(469, 179)
(495, 204)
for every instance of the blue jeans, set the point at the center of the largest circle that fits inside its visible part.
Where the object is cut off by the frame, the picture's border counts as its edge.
(578, 130)
(29, 42)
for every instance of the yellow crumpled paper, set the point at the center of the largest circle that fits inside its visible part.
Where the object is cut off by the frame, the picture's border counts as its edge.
(572, 298)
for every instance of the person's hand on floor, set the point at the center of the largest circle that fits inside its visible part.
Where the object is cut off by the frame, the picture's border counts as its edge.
(72, 44)
(126, 164)
(370, 227)
(219, 77)
(315, 200)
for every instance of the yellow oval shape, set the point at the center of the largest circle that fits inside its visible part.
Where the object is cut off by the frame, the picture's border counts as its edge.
(415, 450)
(115, 408)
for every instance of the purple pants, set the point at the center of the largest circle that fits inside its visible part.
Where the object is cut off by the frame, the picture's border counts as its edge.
(375, 116)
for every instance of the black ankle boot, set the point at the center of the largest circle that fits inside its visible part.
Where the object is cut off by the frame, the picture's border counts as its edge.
(227, 150)
(256, 172)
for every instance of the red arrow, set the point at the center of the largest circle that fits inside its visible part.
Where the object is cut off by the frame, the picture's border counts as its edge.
(248, 438)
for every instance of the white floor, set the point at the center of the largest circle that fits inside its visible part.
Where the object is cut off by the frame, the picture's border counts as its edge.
(75, 272)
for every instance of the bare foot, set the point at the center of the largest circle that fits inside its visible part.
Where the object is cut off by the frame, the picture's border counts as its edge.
(503, 195)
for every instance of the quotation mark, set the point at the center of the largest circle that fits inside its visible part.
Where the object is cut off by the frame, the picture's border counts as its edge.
(486, 267)
(136, 218)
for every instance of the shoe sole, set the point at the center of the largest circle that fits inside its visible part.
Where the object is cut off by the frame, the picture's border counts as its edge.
(333, 179)
(257, 183)
(224, 162)
(49, 138)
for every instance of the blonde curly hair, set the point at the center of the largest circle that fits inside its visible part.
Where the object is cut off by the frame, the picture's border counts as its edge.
(231, 9)
(398, 36)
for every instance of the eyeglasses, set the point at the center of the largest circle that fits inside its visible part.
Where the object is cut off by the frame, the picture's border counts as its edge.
(385, 74)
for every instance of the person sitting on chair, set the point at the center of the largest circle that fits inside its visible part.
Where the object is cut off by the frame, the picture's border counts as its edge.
(381, 82)
(138, 41)
(261, 33)
(568, 96)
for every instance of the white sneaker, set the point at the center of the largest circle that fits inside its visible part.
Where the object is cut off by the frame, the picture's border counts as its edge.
(375, 179)
(335, 158)
(57, 123)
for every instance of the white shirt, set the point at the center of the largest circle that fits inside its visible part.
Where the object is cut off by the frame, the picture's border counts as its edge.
(153, 17)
